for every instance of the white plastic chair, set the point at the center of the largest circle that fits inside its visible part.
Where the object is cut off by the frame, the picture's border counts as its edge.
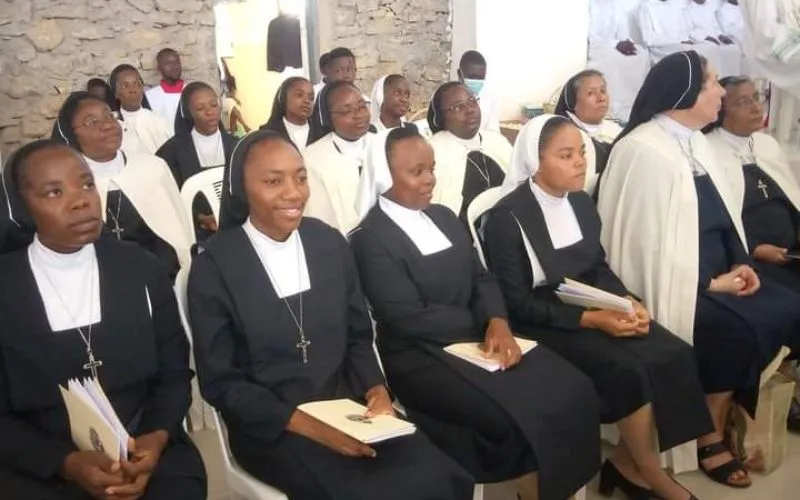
(479, 206)
(209, 184)
(239, 481)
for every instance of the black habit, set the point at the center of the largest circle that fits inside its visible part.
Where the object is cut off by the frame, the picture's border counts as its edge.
(628, 373)
(540, 415)
(481, 174)
(145, 374)
(251, 370)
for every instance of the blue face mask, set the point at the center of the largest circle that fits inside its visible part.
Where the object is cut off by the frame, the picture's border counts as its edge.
(474, 86)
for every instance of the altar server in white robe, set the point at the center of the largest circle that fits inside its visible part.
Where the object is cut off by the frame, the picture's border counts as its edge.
(143, 131)
(673, 233)
(611, 51)
(340, 135)
(468, 160)
(729, 17)
(140, 200)
(703, 25)
(584, 100)
(390, 102)
(165, 97)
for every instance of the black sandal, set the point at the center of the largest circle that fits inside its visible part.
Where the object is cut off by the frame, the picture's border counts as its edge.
(722, 473)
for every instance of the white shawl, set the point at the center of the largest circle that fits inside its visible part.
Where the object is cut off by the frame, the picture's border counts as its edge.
(148, 129)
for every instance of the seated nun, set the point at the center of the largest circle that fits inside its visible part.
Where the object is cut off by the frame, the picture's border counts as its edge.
(584, 100)
(340, 134)
(291, 111)
(78, 303)
(468, 160)
(427, 290)
(199, 143)
(279, 320)
(390, 102)
(703, 26)
(546, 229)
(611, 50)
(140, 200)
(674, 235)
(143, 131)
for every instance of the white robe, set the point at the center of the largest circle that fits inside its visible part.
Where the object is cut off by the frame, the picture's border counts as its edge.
(148, 184)
(703, 24)
(164, 105)
(143, 132)
(450, 155)
(624, 74)
(490, 111)
(772, 41)
(648, 206)
(729, 17)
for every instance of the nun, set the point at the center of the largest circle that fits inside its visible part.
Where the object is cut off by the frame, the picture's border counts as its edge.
(140, 200)
(143, 131)
(78, 303)
(390, 102)
(291, 111)
(340, 134)
(199, 144)
(278, 320)
(584, 100)
(536, 420)
(468, 160)
(545, 229)
(673, 233)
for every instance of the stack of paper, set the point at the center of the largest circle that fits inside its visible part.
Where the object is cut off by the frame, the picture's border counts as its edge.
(93, 422)
(349, 417)
(577, 294)
(472, 353)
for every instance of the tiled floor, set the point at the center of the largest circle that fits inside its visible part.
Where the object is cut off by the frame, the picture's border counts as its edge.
(777, 486)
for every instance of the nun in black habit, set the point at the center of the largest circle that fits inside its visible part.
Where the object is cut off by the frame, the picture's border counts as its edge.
(428, 290)
(77, 303)
(546, 229)
(279, 320)
(199, 143)
(291, 111)
(673, 232)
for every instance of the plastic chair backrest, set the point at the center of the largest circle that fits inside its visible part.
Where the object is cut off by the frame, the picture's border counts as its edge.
(209, 184)
(479, 206)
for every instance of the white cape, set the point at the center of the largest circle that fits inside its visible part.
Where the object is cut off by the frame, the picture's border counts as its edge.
(144, 133)
(451, 163)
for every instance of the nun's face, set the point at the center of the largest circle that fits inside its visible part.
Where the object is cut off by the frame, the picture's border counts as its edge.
(129, 90)
(58, 189)
(592, 100)
(205, 111)
(412, 163)
(744, 113)
(462, 114)
(709, 100)
(349, 113)
(275, 183)
(397, 98)
(97, 129)
(562, 167)
(299, 102)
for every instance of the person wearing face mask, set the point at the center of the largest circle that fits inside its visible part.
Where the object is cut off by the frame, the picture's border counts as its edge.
(165, 97)
(472, 73)
(199, 143)
(468, 160)
(703, 25)
(390, 102)
(673, 232)
(546, 229)
(140, 200)
(584, 100)
(143, 131)
(339, 137)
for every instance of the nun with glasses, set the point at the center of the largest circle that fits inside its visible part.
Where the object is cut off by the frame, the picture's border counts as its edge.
(673, 232)
(537, 419)
(279, 320)
(140, 200)
(468, 160)
(78, 303)
(546, 229)
(143, 131)
(291, 111)
(390, 102)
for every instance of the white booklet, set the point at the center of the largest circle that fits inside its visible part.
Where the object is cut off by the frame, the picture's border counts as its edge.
(93, 423)
(349, 417)
(471, 352)
(578, 294)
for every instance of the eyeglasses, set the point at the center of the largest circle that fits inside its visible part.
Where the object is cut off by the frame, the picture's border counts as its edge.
(351, 110)
(94, 122)
(129, 86)
(462, 106)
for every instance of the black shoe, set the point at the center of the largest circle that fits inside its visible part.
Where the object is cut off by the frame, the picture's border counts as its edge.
(611, 479)
(793, 420)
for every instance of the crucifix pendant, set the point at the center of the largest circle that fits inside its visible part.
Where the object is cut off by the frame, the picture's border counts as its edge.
(763, 187)
(303, 345)
(93, 364)
(118, 231)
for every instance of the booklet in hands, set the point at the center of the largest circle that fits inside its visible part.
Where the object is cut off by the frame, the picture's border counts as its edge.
(350, 418)
(472, 352)
(578, 294)
(93, 423)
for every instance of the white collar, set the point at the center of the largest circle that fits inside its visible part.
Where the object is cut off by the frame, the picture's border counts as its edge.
(588, 127)
(416, 224)
(197, 137)
(294, 127)
(104, 170)
(742, 146)
(283, 261)
(674, 128)
(297, 133)
(353, 149)
(473, 144)
(559, 216)
(546, 199)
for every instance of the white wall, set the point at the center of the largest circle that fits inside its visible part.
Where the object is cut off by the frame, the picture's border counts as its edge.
(532, 47)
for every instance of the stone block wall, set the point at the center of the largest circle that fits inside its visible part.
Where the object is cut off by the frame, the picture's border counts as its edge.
(49, 48)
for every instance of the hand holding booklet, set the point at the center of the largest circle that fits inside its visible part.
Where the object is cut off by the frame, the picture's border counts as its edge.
(350, 418)
(578, 294)
(472, 352)
(93, 423)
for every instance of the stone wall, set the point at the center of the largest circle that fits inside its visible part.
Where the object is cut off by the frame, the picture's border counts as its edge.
(411, 37)
(49, 48)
